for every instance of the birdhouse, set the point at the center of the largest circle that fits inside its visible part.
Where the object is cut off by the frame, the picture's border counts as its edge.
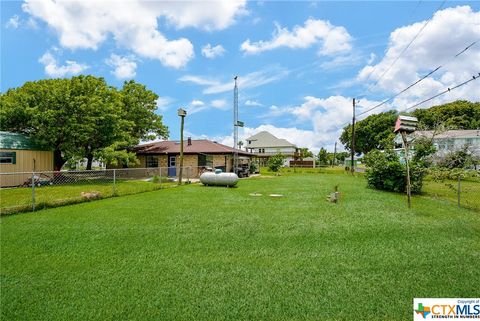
(182, 112)
(406, 124)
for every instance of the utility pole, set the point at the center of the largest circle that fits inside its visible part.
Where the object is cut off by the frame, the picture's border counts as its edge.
(235, 126)
(334, 155)
(182, 113)
(352, 167)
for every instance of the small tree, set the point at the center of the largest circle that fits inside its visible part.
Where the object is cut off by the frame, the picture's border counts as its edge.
(462, 158)
(323, 156)
(275, 162)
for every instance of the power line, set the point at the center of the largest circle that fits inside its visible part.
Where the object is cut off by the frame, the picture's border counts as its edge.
(411, 15)
(433, 97)
(418, 81)
(405, 49)
(444, 92)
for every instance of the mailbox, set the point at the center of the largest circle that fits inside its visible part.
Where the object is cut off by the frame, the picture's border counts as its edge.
(406, 124)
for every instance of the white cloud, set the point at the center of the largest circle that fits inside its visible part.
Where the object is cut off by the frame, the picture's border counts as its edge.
(299, 137)
(163, 103)
(332, 39)
(219, 103)
(133, 24)
(196, 106)
(341, 61)
(212, 52)
(13, 22)
(198, 80)
(52, 68)
(250, 80)
(125, 67)
(253, 103)
(326, 117)
(449, 31)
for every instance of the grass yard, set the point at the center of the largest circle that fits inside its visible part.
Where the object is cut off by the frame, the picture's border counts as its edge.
(20, 199)
(210, 253)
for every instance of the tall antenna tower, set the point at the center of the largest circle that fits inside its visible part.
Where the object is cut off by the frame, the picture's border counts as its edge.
(235, 126)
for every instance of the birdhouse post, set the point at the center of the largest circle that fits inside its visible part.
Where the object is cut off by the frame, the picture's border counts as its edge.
(406, 125)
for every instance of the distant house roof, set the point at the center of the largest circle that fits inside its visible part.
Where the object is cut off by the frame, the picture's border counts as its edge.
(200, 146)
(265, 139)
(9, 140)
(449, 134)
(468, 133)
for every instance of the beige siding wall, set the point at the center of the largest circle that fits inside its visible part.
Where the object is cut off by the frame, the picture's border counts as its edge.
(24, 163)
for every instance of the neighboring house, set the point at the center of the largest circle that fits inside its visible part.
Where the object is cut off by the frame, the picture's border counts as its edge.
(448, 141)
(19, 154)
(265, 145)
(197, 154)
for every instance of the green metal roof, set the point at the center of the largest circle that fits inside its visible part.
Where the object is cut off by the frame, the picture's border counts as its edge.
(10, 140)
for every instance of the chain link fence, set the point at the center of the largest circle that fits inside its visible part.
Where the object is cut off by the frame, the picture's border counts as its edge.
(30, 191)
(462, 188)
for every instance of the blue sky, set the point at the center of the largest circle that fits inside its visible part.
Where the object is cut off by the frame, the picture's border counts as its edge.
(299, 63)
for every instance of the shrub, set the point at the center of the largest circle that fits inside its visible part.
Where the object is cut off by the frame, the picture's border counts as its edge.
(275, 162)
(253, 168)
(386, 172)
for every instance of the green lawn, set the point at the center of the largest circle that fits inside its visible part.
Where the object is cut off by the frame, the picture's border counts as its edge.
(211, 253)
(20, 199)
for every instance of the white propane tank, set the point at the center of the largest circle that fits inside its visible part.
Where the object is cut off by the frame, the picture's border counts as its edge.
(219, 179)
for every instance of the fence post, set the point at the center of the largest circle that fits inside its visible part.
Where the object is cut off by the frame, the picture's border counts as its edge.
(160, 171)
(114, 182)
(33, 191)
(458, 190)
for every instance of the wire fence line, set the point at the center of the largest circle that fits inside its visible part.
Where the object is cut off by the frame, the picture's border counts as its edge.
(30, 191)
(462, 191)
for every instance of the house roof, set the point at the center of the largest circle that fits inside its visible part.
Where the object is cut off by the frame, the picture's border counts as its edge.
(468, 133)
(199, 146)
(9, 140)
(265, 139)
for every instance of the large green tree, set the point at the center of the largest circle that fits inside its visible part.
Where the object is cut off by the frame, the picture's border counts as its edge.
(373, 132)
(376, 131)
(459, 114)
(82, 117)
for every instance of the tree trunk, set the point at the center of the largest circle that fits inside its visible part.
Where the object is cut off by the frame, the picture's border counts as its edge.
(89, 161)
(58, 160)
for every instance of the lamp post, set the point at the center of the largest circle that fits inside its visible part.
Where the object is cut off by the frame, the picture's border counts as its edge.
(182, 113)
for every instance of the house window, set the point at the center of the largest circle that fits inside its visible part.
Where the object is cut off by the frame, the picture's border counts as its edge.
(8, 158)
(152, 161)
(205, 160)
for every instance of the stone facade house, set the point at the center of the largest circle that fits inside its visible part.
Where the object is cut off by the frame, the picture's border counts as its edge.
(197, 155)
